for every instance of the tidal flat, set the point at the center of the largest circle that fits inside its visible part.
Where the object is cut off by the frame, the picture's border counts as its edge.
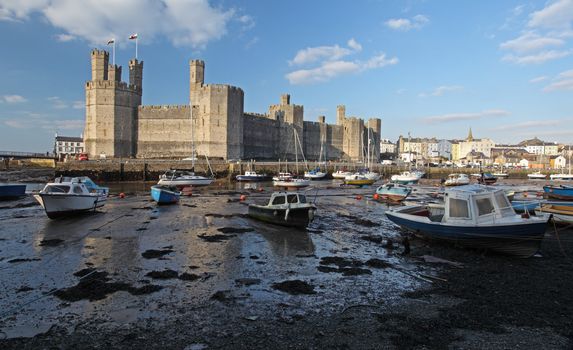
(201, 274)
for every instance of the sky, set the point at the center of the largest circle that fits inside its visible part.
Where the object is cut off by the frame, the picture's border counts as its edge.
(425, 67)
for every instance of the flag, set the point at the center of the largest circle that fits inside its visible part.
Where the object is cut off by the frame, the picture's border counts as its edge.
(111, 41)
(133, 36)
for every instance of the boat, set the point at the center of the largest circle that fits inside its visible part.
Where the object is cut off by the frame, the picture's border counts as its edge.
(371, 175)
(562, 214)
(487, 179)
(286, 209)
(70, 195)
(293, 182)
(393, 192)
(406, 178)
(475, 216)
(252, 176)
(358, 180)
(561, 177)
(526, 205)
(165, 194)
(561, 192)
(341, 174)
(457, 180)
(183, 178)
(282, 177)
(536, 176)
(501, 175)
(314, 174)
(8, 191)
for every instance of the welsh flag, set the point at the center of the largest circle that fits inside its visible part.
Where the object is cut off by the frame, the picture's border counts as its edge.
(111, 41)
(133, 36)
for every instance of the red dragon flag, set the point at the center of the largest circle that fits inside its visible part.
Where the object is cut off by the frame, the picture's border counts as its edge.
(111, 41)
(133, 36)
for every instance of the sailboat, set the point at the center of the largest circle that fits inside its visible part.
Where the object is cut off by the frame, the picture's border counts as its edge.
(407, 177)
(369, 174)
(183, 178)
(501, 173)
(294, 182)
(316, 173)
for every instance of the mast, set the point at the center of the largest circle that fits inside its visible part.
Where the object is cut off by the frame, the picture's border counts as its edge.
(192, 137)
(295, 150)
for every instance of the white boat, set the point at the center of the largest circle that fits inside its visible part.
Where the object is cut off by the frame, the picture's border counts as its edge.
(561, 177)
(457, 180)
(182, 178)
(282, 177)
(405, 178)
(315, 174)
(562, 214)
(70, 195)
(358, 180)
(537, 176)
(475, 216)
(341, 174)
(292, 183)
(371, 175)
(501, 175)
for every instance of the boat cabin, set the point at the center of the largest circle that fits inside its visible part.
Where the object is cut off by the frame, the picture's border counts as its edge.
(475, 204)
(281, 198)
(73, 185)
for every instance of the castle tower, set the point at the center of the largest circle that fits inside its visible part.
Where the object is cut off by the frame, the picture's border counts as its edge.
(100, 61)
(285, 99)
(374, 132)
(196, 73)
(340, 114)
(111, 108)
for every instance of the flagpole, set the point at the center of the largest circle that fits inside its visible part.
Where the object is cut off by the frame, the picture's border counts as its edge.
(114, 52)
(136, 48)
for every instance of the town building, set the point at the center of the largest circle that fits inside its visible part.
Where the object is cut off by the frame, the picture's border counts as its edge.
(470, 144)
(213, 122)
(68, 146)
(537, 146)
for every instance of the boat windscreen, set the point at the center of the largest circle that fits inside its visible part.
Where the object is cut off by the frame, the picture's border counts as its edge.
(278, 200)
(301, 198)
(503, 203)
(459, 208)
(292, 198)
(57, 189)
(485, 206)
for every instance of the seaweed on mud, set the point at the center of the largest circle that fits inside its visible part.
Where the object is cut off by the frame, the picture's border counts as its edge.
(378, 263)
(360, 221)
(294, 287)
(215, 238)
(155, 254)
(354, 271)
(162, 275)
(247, 281)
(373, 238)
(50, 242)
(17, 260)
(147, 289)
(327, 269)
(84, 272)
(24, 289)
(188, 276)
(222, 296)
(340, 261)
(235, 229)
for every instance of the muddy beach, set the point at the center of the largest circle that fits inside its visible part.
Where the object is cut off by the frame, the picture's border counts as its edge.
(201, 275)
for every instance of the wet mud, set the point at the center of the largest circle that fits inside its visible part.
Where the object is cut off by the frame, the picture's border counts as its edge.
(203, 275)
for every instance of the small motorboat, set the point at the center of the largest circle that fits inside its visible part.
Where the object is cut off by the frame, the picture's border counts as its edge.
(358, 180)
(340, 174)
(457, 180)
(406, 178)
(393, 192)
(475, 216)
(371, 175)
(562, 214)
(501, 175)
(282, 177)
(70, 195)
(165, 194)
(526, 205)
(561, 177)
(253, 176)
(562, 192)
(183, 178)
(315, 174)
(8, 191)
(487, 179)
(293, 182)
(536, 176)
(286, 209)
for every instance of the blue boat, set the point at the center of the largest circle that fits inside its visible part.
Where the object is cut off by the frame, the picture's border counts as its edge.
(394, 192)
(164, 194)
(12, 191)
(475, 216)
(253, 176)
(562, 192)
(529, 205)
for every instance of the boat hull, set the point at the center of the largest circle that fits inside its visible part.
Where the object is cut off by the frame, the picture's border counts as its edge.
(12, 191)
(562, 214)
(522, 240)
(361, 182)
(558, 192)
(62, 205)
(292, 183)
(185, 182)
(252, 178)
(164, 196)
(297, 217)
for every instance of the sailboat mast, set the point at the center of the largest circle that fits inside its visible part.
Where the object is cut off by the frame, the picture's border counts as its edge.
(295, 150)
(192, 137)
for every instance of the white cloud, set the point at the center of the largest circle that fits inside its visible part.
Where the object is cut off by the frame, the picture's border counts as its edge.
(65, 37)
(57, 102)
(405, 24)
(558, 14)
(331, 69)
(530, 42)
(529, 125)
(184, 22)
(452, 117)
(537, 58)
(247, 21)
(440, 90)
(78, 105)
(13, 99)
(563, 82)
(538, 79)
(332, 53)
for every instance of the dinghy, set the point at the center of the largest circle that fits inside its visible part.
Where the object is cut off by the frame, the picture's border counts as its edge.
(286, 209)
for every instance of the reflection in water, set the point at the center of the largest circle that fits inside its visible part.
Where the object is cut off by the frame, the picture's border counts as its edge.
(285, 241)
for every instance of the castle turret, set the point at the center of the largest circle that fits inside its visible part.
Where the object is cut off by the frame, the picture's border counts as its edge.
(285, 99)
(196, 74)
(136, 74)
(340, 114)
(100, 61)
(114, 72)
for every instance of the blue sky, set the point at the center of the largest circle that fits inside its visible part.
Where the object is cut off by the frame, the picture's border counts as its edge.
(432, 68)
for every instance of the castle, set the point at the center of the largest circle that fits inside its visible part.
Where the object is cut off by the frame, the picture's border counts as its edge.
(117, 125)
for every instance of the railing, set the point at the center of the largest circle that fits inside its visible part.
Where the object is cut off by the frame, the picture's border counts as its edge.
(8, 154)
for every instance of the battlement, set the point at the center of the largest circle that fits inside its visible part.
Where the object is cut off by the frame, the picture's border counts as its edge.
(155, 107)
(106, 84)
(256, 115)
(96, 52)
(223, 87)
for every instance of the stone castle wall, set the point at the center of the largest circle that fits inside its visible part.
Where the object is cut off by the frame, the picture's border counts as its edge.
(164, 132)
(260, 135)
